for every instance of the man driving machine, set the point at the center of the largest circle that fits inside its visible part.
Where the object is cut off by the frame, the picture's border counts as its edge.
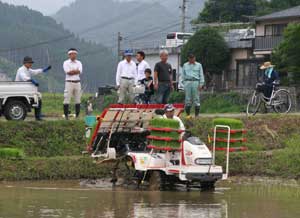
(170, 114)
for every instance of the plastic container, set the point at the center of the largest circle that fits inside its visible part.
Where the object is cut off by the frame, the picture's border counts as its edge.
(90, 121)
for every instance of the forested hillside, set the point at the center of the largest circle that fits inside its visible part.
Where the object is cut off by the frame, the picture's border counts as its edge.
(27, 32)
(143, 23)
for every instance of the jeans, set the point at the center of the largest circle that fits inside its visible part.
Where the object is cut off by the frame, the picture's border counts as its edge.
(163, 93)
(191, 89)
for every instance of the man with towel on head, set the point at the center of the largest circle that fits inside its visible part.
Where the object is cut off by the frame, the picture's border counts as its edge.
(73, 70)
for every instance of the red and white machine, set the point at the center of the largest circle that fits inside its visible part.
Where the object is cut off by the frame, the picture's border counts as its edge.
(122, 131)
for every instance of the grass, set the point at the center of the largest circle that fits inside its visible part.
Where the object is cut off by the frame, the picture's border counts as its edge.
(53, 168)
(53, 104)
(51, 138)
(210, 103)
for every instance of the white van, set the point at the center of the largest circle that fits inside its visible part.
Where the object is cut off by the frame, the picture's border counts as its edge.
(176, 39)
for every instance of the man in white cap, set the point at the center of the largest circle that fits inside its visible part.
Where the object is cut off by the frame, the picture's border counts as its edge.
(269, 77)
(126, 77)
(73, 70)
(170, 114)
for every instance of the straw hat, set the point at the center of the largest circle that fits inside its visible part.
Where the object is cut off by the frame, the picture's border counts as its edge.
(266, 65)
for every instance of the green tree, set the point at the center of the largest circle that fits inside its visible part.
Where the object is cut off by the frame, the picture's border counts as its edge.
(209, 48)
(283, 4)
(286, 56)
(227, 10)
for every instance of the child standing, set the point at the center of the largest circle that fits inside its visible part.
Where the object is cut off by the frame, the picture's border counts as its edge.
(149, 87)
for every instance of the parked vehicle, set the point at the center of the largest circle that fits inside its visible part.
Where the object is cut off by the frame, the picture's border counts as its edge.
(17, 99)
(122, 133)
(280, 101)
(177, 39)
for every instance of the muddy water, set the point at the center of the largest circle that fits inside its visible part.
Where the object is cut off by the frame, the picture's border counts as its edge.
(69, 200)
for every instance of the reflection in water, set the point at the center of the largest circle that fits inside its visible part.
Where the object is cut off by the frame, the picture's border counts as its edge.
(55, 200)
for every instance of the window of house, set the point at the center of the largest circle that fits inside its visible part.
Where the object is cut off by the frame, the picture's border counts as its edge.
(275, 29)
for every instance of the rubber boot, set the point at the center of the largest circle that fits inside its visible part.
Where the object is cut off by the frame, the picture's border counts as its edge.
(188, 110)
(77, 110)
(38, 112)
(197, 111)
(66, 111)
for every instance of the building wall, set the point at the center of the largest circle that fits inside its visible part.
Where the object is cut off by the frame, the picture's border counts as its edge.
(238, 54)
(260, 26)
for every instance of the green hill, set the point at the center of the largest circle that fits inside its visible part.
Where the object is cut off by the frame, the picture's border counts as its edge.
(27, 32)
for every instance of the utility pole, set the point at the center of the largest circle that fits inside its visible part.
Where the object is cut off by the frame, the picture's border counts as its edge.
(120, 38)
(183, 15)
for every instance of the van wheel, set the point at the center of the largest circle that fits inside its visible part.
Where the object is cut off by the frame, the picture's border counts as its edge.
(15, 110)
(155, 181)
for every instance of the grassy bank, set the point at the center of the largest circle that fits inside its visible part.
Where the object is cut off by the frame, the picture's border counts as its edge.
(53, 149)
(38, 139)
(54, 168)
(210, 103)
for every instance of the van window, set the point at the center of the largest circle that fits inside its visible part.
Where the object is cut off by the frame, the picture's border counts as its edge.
(171, 36)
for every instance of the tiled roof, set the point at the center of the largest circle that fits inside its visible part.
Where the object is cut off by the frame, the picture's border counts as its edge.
(291, 12)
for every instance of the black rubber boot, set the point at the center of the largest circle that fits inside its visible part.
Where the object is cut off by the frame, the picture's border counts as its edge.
(197, 111)
(66, 111)
(77, 110)
(38, 112)
(188, 110)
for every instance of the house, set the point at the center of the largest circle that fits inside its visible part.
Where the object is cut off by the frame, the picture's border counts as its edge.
(242, 69)
(270, 28)
(248, 54)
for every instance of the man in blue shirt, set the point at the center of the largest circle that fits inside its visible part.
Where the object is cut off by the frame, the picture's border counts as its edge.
(193, 81)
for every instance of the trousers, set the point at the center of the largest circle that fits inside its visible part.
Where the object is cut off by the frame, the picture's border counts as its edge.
(192, 93)
(72, 90)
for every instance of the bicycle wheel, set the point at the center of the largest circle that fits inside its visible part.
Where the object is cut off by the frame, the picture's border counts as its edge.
(282, 101)
(254, 104)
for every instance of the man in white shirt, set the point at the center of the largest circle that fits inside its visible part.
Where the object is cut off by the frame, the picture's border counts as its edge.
(24, 74)
(142, 65)
(73, 70)
(126, 77)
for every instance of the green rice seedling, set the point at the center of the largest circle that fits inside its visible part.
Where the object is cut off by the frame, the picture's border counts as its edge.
(11, 153)
(234, 124)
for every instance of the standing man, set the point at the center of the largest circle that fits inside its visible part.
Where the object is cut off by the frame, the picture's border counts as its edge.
(163, 78)
(24, 74)
(142, 65)
(126, 77)
(73, 70)
(193, 81)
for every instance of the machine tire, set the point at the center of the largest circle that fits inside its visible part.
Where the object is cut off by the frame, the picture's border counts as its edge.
(155, 180)
(207, 186)
(15, 110)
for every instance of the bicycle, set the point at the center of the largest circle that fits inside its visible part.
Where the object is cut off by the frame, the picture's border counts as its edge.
(280, 100)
